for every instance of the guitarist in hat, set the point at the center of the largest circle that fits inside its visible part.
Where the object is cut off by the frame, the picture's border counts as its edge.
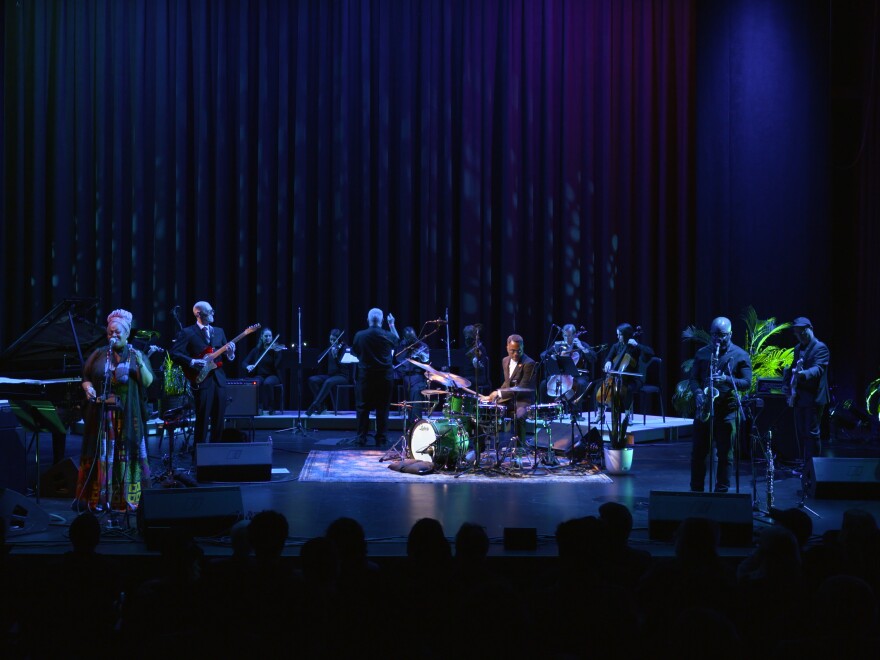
(192, 345)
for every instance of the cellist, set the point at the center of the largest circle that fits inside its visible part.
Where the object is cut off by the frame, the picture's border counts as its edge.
(623, 356)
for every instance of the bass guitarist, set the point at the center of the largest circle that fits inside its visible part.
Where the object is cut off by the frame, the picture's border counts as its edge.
(192, 345)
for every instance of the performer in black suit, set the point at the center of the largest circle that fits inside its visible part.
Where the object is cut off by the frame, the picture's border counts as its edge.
(188, 350)
(726, 358)
(373, 348)
(322, 384)
(810, 395)
(518, 370)
(266, 372)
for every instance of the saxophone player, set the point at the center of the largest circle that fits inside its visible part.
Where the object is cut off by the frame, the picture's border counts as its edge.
(718, 370)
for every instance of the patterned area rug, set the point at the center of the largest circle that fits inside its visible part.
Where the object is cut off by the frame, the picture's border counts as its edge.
(363, 465)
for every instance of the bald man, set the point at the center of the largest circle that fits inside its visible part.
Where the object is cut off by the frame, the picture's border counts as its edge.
(730, 368)
(189, 348)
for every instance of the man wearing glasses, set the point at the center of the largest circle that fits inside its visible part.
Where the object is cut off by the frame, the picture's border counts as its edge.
(719, 370)
(190, 348)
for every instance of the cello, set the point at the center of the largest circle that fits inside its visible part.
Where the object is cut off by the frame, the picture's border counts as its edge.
(608, 392)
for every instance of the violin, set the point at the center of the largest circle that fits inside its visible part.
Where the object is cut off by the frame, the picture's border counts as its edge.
(608, 391)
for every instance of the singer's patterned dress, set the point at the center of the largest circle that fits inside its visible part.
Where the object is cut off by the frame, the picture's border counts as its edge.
(114, 454)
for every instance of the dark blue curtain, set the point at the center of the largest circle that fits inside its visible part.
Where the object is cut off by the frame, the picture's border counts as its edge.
(519, 163)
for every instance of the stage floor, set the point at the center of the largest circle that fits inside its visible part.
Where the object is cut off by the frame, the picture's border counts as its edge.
(387, 511)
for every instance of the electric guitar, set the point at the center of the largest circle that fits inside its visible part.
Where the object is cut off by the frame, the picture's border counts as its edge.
(196, 375)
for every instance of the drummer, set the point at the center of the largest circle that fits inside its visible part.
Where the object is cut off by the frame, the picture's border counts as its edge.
(518, 370)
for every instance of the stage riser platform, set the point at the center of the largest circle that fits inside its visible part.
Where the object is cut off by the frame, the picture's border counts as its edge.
(654, 429)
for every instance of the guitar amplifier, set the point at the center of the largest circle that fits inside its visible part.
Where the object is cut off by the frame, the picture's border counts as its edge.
(242, 397)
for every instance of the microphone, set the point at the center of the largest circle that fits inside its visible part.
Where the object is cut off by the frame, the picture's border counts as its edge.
(440, 321)
(717, 348)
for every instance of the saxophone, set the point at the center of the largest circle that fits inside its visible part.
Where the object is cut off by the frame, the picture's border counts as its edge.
(710, 392)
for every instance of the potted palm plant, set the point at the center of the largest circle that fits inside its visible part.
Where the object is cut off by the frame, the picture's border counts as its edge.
(175, 387)
(768, 360)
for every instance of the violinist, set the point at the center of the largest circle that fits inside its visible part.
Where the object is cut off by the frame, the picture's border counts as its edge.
(412, 377)
(321, 384)
(263, 364)
(624, 356)
(718, 370)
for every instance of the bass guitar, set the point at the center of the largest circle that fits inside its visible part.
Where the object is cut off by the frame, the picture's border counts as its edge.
(196, 375)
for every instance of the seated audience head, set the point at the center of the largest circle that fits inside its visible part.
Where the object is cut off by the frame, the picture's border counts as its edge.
(348, 537)
(797, 521)
(471, 542)
(427, 542)
(267, 534)
(238, 537)
(618, 522)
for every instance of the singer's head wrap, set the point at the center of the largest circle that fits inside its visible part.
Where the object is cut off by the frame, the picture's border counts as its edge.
(121, 317)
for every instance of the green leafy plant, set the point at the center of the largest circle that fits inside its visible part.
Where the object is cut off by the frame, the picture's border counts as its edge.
(174, 383)
(872, 393)
(768, 360)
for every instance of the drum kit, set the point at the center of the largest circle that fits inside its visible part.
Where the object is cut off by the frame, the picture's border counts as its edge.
(468, 426)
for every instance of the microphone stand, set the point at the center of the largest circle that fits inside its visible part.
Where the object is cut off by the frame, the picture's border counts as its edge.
(298, 427)
(713, 361)
(740, 419)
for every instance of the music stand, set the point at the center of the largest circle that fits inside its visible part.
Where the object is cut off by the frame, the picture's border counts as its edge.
(37, 416)
(296, 361)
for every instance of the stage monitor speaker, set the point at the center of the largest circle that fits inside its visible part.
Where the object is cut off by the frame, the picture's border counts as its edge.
(234, 461)
(13, 456)
(21, 515)
(59, 480)
(241, 398)
(732, 511)
(845, 479)
(200, 511)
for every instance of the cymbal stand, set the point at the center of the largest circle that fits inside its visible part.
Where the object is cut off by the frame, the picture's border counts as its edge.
(397, 451)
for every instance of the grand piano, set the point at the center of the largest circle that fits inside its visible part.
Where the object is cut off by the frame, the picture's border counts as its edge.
(45, 364)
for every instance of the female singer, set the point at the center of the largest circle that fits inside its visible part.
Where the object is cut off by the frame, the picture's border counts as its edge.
(114, 467)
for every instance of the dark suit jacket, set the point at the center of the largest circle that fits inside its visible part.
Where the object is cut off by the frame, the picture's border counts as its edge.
(814, 388)
(190, 343)
(523, 376)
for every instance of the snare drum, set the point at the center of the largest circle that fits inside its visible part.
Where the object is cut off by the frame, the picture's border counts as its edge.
(441, 441)
(545, 411)
(491, 414)
(460, 404)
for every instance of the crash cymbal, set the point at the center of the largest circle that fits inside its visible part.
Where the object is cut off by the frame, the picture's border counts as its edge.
(460, 381)
(422, 365)
(402, 404)
(434, 392)
(146, 334)
(438, 377)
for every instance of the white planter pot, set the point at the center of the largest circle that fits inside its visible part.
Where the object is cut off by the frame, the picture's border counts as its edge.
(618, 461)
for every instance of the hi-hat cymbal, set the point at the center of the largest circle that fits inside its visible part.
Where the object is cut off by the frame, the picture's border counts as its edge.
(515, 390)
(434, 392)
(146, 334)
